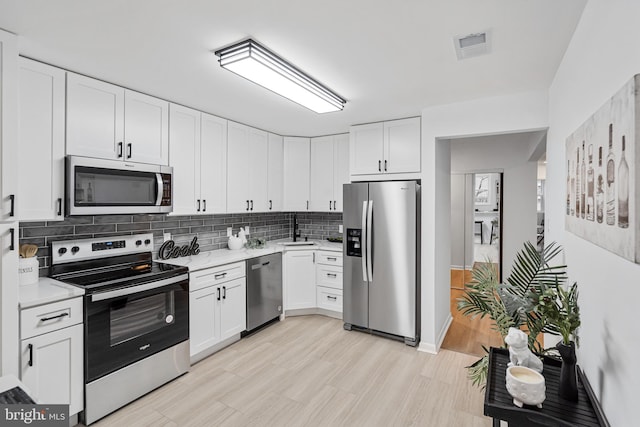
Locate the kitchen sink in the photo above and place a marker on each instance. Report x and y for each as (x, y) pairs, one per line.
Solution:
(298, 243)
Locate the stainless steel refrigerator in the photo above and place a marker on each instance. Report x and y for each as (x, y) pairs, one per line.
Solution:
(381, 224)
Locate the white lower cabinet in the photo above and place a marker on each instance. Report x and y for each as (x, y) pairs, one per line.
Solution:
(217, 307)
(329, 281)
(52, 362)
(299, 278)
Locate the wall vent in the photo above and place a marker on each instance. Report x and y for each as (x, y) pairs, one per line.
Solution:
(471, 45)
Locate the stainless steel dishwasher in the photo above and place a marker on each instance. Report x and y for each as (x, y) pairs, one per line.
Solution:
(264, 290)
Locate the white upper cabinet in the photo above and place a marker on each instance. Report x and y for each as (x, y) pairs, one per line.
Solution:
(328, 172)
(185, 159)
(321, 174)
(213, 164)
(258, 170)
(8, 127)
(146, 128)
(386, 147)
(110, 122)
(275, 170)
(247, 159)
(367, 148)
(296, 173)
(41, 100)
(198, 156)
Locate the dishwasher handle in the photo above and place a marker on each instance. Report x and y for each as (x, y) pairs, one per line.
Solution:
(260, 265)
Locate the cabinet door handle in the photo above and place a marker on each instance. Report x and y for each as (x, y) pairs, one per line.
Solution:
(314, 257)
(224, 292)
(332, 298)
(220, 276)
(12, 246)
(385, 165)
(307, 205)
(59, 206)
(218, 290)
(329, 204)
(129, 150)
(330, 258)
(59, 316)
(334, 205)
(204, 205)
(332, 275)
(270, 204)
(198, 210)
(247, 205)
(379, 166)
(251, 205)
(12, 199)
(30, 354)
(120, 146)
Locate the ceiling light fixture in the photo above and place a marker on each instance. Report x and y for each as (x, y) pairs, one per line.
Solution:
(263, 67)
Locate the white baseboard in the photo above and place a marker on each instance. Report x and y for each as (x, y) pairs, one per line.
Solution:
(435, 348)
(316, 310)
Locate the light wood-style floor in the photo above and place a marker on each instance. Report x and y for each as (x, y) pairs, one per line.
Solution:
(309, 371)
(468, 335)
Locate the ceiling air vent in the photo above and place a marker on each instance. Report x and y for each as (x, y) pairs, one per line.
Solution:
(472, 44)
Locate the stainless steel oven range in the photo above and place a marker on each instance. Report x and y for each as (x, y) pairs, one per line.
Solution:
(136, 317)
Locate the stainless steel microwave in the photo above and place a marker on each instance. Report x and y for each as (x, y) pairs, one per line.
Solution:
(98, 187)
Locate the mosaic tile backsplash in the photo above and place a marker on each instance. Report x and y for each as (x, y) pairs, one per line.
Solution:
(211, 230)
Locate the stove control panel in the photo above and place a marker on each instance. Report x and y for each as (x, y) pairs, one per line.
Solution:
(85, 249)
(112, 244)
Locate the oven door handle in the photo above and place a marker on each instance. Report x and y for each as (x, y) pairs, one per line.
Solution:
(138, 288)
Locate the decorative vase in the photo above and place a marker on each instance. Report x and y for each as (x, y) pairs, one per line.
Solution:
(568, 383)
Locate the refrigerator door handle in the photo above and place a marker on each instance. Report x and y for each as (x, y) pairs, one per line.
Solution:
(369, 239)
(363, 241)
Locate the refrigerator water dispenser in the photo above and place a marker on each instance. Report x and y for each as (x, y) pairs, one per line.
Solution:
(354, 247)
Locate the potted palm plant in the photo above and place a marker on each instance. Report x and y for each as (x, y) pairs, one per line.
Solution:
(518, 302)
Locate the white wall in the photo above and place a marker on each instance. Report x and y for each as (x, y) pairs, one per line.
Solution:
(509, 153)
(501, 114)
(602, 57)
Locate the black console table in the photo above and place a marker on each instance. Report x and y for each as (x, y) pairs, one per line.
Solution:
(555, 410)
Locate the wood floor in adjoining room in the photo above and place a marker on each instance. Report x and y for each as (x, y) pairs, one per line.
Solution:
(309, 371)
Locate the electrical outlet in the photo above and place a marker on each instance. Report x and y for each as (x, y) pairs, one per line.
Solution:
(246, 230)
(339, 228)
(229, 231)
(166, 236)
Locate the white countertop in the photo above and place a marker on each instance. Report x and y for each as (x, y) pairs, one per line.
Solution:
(208, 259)
(45, 291)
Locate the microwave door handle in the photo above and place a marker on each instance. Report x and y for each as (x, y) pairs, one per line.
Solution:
(363, 241)
(369, 240)
(138, 288)
(160, 187)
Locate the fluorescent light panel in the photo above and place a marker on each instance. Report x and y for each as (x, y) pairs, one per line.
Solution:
(256, 63)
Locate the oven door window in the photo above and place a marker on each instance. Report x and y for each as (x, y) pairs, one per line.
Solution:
(123, 330)
(140, 317)
(110, 187)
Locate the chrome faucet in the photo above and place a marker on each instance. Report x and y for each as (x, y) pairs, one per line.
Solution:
(296, 231)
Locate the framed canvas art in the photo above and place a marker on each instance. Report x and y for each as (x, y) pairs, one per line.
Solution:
(601, 162)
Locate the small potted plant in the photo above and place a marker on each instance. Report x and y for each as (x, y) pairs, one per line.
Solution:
(558, 309)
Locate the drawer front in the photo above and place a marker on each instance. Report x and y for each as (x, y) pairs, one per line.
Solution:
(50, 317)
(216, 275)
(329, 299)
(329, 258)
(329, 276)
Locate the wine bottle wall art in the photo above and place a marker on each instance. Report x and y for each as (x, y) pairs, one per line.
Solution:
(601, 159)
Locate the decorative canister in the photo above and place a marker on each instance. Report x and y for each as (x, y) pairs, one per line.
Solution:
(28, 270)
(526, 386)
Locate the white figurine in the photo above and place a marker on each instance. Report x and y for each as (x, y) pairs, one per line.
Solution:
(519, 353)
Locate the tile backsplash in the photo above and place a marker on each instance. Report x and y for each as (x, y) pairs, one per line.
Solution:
(211, 230)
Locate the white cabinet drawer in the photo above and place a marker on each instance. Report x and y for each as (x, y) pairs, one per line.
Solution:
(329, 276)
(216, 275)
(50, 317)
(329, 258)
(329, 299)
